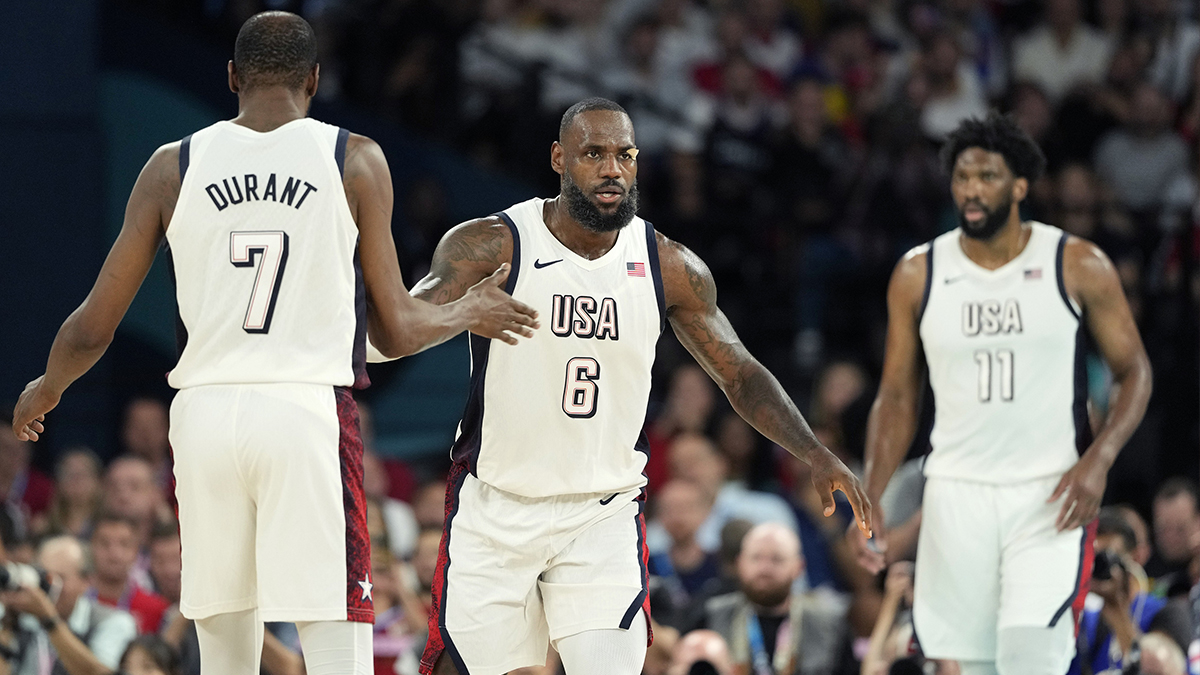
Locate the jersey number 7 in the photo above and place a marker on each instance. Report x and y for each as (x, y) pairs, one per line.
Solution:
(271, 247)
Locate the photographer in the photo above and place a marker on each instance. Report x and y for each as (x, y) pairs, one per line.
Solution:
(64, 628)
(1119, 610)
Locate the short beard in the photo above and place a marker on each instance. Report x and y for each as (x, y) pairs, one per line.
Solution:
(589, 215)
(992, 221)
(767, 597)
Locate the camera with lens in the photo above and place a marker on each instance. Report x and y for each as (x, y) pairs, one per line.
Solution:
(15, 575)
(1106, 561)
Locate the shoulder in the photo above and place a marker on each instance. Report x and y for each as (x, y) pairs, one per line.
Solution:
(363, 156)
(163, 165)
(686, 278)
(911, 273)
(483, 240)
(1088, 275)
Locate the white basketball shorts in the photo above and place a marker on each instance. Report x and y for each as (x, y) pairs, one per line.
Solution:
(515, 573)
(988, 558)
(271, 508)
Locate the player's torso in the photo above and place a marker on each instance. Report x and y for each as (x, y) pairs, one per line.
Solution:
(562, 413)
(264, 254)
(1004, 350)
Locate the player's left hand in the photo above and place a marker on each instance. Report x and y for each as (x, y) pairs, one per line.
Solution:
(829, 474)
(31, 409)
(1083, 486)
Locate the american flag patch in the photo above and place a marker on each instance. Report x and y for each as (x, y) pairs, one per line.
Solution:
(635, 269)
(1035, 273)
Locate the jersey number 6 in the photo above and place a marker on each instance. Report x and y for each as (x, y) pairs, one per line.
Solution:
(272, 249)
(581, 390)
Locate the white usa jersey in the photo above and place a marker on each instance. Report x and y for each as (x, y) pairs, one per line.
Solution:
(562, 412)
(264, 253)
(1005, 352)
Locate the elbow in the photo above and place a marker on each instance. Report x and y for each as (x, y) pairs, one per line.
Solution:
(84, 337)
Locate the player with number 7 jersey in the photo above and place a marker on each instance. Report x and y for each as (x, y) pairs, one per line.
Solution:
(279, 232)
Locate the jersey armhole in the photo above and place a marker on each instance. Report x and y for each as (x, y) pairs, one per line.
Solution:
(1058, 273)
(185, 149)
(515, 267)
(656, 273)
(339, 151)
(928, 284)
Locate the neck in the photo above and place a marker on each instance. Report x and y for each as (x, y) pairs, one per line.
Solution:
(1063, 34)
(1002, 247)
(686, 555)
(777, 610)
(579, 239)
(269, 108)
(109, 588)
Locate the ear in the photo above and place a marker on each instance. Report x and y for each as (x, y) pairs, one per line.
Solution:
(1020, 190)
(233, 78)
(310, 84)
(558, 158)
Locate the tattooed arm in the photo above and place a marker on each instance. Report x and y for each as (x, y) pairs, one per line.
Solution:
(691, 300)
(466, 255)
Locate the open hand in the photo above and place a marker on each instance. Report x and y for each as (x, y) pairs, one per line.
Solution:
(829, 474)
(31, 409)
(1083, 486)
(496, 314)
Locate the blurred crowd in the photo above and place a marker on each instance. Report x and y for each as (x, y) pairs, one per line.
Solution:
(736, 537)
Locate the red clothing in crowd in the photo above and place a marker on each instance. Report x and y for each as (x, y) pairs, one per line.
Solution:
(146, 607)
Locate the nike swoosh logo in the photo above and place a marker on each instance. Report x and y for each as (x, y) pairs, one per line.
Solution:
(538, 264)
(604, 502)
(950, 280)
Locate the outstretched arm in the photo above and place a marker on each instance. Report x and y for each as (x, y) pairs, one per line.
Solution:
(397, 323)
(1091, 279)
(691, 299)
(87, 332)
(466, 254)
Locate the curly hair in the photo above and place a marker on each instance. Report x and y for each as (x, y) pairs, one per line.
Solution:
(1000, 134)
(275, 48)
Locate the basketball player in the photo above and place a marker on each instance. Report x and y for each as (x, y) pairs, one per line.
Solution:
(279, 228)
(999, 311)
(543, 539)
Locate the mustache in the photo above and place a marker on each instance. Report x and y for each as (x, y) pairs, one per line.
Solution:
(611, 182)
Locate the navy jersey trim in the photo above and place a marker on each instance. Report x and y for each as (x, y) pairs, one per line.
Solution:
(181, 334)
(1075, 589)
(1079, 413)
(656, 272)
(358, 358)
(928, 283)
(466, 447)
(339, 151)
(1058, 273)
(454, 488)
(185, 152)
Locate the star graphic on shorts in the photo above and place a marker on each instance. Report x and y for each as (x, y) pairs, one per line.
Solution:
(367, 586)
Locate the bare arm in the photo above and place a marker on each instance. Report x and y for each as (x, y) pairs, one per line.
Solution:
(893, 418)
(87, 332)
(466, 255)
(397, 323)
(1090, 278)
(691, 300)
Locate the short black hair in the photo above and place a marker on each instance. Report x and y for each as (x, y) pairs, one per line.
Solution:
(1110, 521)
(1176, 486)
(275, 48)
(586, 105)
(1000, 134)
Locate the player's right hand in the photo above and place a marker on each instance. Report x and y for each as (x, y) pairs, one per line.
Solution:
(497, 315)
(31, 410)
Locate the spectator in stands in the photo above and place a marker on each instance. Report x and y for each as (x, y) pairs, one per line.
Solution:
(130, 491)
(955, 92)
(26, 491)
(1176, 529)
(769, 627)
(893, 639)
(1142, 551)
(1176, 44)
(150, 655)
(429, 504)
(701, 652)
(74, 632)
(1161, 655)
(695, 458)
(689, 405)
(77, 495)
(144, 434)
(1144, 161)
(770, 43)
(685, 567)
(982, 42)
(1118, 612)
(1062, 52)
(115, 552)
(398, 517)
